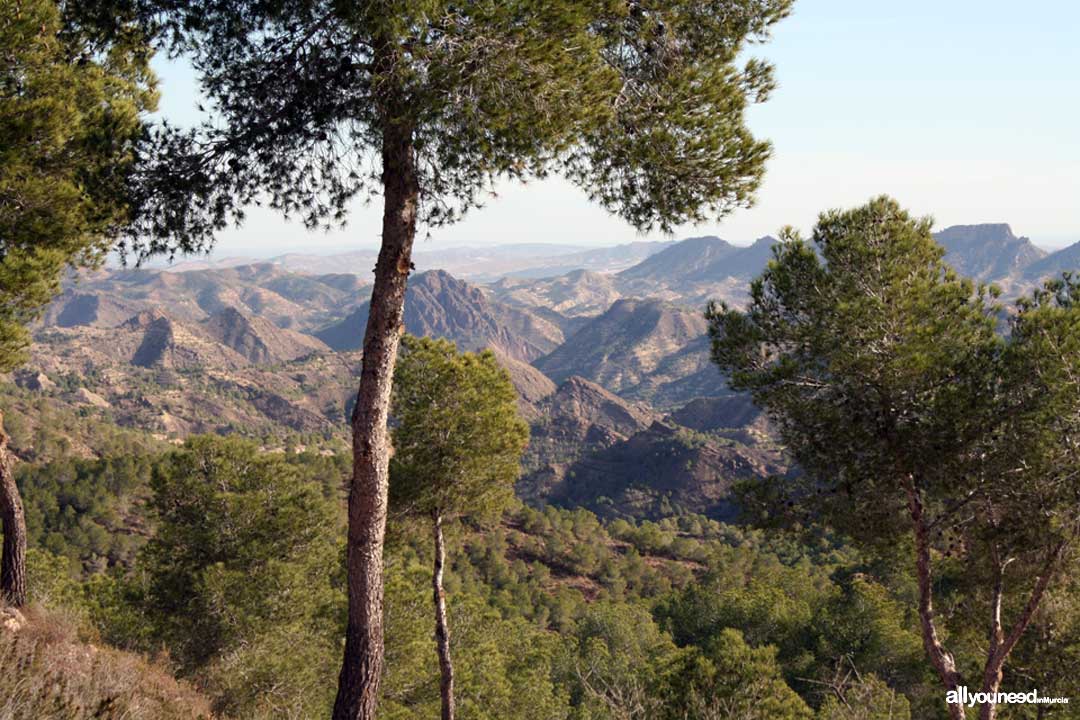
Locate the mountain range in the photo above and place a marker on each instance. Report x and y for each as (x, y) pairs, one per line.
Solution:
(610, 355)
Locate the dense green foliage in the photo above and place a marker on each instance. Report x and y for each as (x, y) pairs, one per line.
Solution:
(235, 581)
(91, 512)
(873, 355)
(556, 615)
(95, 512)
(919, 427)
(458, 438)
(71, 99)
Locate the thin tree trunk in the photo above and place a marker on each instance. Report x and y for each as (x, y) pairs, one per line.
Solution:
(942, 660)
(1000, 644)
(442, 626)
(13, 561)
(361, 670)
(996, 636)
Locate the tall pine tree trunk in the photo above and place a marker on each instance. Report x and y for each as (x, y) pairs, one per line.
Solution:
(442, 626)
(13, 561)
(361, 670)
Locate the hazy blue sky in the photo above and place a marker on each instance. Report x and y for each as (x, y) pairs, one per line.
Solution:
(966, 110)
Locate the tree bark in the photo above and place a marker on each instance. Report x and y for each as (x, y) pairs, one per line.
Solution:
(442, 626)
(361, 671)
(942, 660)
(995, 637)
(1000, 644)
(13, 561)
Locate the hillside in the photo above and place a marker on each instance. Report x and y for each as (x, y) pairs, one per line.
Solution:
(580, 417)
(691, 272)
(287, 300)
(575, 294)
(660, 471)
(735, 416)
(745, 262)
(439, 305)
(258, 340)
(172, 378)
(219, 355)
(646, 350)
(50, 675)
(683, 259)
(532, 386)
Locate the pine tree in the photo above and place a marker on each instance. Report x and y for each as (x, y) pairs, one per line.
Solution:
(429, 103)
(457, 452)
(916, 423)
(72, 93)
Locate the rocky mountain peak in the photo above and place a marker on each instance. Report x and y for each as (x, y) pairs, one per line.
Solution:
(589, 404)
(990, 251)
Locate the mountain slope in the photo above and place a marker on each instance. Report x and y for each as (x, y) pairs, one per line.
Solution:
(1064, 260)
(579, 418)
(532, 386)
(987, 252)
(585, 410)
(439, 305)
(681, 260)
(288, 300)
(660, 471)
(696, 270)
(638, 349)
(49, 674)
(744, 262)
(174, 378)
(151, 339)
(574, 294)
(599, 260)
(259, 340)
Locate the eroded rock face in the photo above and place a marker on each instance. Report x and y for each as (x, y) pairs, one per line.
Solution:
(143, 319)
(258, 340)
(157, 344)
(79, 310)
(91, 398)
(233, 329)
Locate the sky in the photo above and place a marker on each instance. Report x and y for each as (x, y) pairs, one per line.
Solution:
(963, 110)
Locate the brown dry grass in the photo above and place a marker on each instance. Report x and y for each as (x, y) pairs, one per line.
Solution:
(46, 673)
